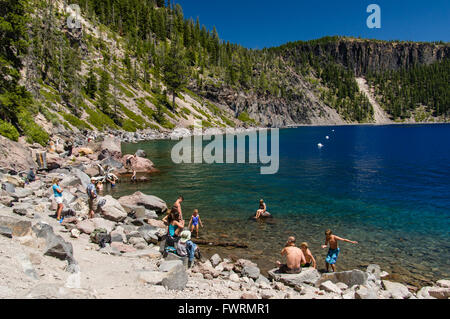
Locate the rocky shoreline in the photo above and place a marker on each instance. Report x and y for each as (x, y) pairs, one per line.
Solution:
(41, 258)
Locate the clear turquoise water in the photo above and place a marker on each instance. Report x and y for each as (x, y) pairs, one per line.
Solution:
(387, 187)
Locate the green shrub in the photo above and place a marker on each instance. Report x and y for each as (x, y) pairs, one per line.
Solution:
(33, 132)
(244, 117)
(75, 121)
(129, 125)
(9, 131)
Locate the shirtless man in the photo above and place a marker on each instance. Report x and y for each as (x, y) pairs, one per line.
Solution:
(294, 258)
(177, 206)
(334, 250)
(310, 260)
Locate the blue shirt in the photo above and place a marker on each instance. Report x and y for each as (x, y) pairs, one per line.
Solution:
(91, 191)
(55, 188)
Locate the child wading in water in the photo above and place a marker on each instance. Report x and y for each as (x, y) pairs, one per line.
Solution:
(195, 221)
(334, 250)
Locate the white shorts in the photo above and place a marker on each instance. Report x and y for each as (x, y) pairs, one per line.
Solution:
(59, 200)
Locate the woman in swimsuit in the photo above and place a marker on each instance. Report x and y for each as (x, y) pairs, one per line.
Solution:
(261, 210)
(195, 221)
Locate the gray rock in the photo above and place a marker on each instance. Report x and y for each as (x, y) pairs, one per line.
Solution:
(10, 188)
(112, 210)
(83, 178)
(215, 260)
(308, 276)
(171, 256)
(103, 223)
(251, 272)
(350, 278)
(396, 290)
(148, 201)
(86, 226)
(176, 278)
(151, 234)
(328, 286)
(168, 265)
(444, 283)
(5, 231)
(22, 209)
(375, 270)
(141, 153)
(363, 292)
(22, 192)
(18, 226)
(439, 292)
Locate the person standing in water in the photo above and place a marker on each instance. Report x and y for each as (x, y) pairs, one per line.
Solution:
(334, 250)
(177, 206)
(262, 209)
(195, 222)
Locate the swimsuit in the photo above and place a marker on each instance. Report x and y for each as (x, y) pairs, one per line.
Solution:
(286, 270)
(195, 220)
(172, 229)
(332, 256)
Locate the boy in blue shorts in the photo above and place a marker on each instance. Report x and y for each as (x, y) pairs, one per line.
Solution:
(334, 250)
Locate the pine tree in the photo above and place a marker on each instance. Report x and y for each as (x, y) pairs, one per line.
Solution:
(175, 71)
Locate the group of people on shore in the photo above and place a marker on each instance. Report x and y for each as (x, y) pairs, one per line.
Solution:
(296, 258)
(178, 240)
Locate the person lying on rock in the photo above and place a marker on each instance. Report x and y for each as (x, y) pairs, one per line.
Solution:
(195, 222)
(310, 260)
(294, 258)
(334, 250)
(57, 192)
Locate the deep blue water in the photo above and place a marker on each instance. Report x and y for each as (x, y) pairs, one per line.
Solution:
(387, 187)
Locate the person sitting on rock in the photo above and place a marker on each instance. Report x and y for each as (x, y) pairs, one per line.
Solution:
(294, 258)
(262, 209)
(195, 222)
(310, 260)
(31, 177)
(186, 248)
(57, 192)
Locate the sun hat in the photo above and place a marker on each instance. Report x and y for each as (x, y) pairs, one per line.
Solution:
(185, 236)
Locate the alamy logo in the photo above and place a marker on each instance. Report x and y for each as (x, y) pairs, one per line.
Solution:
(374, 20)
(223, 149)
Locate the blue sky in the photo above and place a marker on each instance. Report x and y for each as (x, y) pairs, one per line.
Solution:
(264, 23)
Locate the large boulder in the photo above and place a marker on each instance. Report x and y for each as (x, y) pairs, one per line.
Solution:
(396, 290)
(83, 178)
(140, 164)
(112, 210)
(148, 201)
(307, 276)
(19, 227)
(112, 144)
(176, 277)
(439, 292)
(15, 156)
(103, 223)
(86, 226)
(56, 246)
(350, 278)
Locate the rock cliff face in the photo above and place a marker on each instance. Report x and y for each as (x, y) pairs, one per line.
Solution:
(363, 56)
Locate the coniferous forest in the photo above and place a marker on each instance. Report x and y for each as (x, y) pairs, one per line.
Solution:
(130, 61)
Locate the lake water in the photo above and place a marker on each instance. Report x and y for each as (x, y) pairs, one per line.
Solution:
(387, 187)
